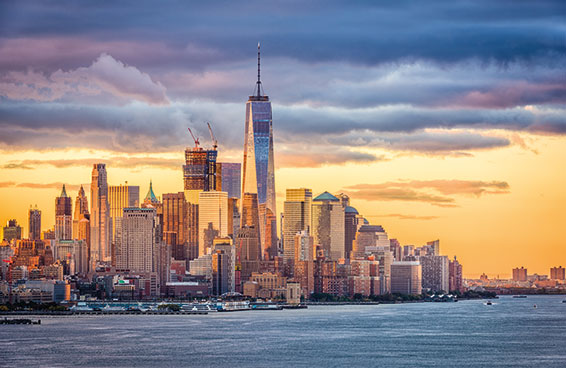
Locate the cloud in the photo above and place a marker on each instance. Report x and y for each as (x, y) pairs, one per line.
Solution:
(435, 192)
(105, 80)
(57, 185)
(115, 161)
(316, 156)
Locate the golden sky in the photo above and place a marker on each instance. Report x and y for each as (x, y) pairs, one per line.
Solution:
(494, 209)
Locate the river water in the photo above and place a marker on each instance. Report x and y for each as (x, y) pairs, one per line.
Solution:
(509, 333)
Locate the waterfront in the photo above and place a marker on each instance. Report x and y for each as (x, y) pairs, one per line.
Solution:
(469, 333)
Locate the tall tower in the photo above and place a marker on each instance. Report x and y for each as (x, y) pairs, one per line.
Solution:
(100, 226)
(34, 224)
(259, 171)
(63, 216)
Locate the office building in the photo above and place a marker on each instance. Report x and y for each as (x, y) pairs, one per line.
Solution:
(81, 213)
(406, 277)
(297, 218)
(12, 230)
(327, 229)
(175, 219)
(135, 244)
(258, 162)
(351, 226)
(100, 223)
(73, 254)
(63, 216)
(120, 197)
(231, 178)
(34, 221)
(213, 216)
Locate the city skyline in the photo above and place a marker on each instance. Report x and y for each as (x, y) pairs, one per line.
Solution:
(455, 145)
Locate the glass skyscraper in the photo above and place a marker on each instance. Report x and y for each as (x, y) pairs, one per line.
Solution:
(259, 172)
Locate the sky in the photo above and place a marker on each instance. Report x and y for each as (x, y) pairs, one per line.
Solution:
(442, 120)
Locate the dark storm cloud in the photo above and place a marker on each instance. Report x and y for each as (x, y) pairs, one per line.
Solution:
(132, 76)
(357, 32)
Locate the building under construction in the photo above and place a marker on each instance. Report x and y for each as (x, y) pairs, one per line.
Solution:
(199, 171)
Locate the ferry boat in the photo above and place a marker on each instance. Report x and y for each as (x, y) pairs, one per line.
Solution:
(233, 306)
(81, 307)
(266, 306)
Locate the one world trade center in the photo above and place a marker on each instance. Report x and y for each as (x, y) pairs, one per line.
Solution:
(258, 187)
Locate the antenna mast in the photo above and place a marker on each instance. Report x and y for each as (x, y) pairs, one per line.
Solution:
(258, 71)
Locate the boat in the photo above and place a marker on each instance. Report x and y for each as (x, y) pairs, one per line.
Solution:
(519, 296)
(265, 306)
(233, 306)
(295, 306)
(564, 301)
(489, 302)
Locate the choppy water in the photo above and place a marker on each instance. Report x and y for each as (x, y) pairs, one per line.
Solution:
(510, 333)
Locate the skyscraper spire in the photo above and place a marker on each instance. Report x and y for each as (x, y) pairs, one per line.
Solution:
(63, 192)
(258, 71)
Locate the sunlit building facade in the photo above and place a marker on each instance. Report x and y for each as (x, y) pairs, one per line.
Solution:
(259, 167)
(100, 222)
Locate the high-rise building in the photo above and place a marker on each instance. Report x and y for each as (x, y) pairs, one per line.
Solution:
(435, 273)
(135, 247)
(406, 277)
(100, 222)
(81, 212)
(223, 266)
(520, 274)
(434, 247)
(199, 172)
(557, 273)
(327, 227)
(120, 197)
(63, 216)
(34, 221)
(297, 215)
(351, 217)
(248, 252)
(259, 167)
(12, 230)
(213, 212)
(73, 254)
(175, 227)
(456, 276)
(304, 261)
(231, 178)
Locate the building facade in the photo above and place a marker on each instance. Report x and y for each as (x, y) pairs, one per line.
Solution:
(327, 225)
(63, 216)
(406, 277)
(100, 223)
(34, 221)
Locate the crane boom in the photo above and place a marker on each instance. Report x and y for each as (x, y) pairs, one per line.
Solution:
(194, 139)
(214, 141)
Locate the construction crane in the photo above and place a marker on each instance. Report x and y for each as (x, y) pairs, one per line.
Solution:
(214, 141)
(194, 139)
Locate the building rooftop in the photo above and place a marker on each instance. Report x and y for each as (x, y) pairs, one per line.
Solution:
(150, 197)
(350, 209)
(326, 197)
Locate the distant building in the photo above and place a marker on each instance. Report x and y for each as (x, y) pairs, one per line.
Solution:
(199, 172)
(406, 277)
(34, 221)
(434, 247)
(258, 170)
(520, 274)
(351, 217)
(328, 225)
(135, 247)
(435, 273)
(12, 230)
(456, 276)
(175, 224)
(213, 215)
(120, 197)
(74, 254)
(297, 218)
(81, 218)
(100, 222)
(231, 178)
(557, 273)
(225, 261)
(63, 216)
